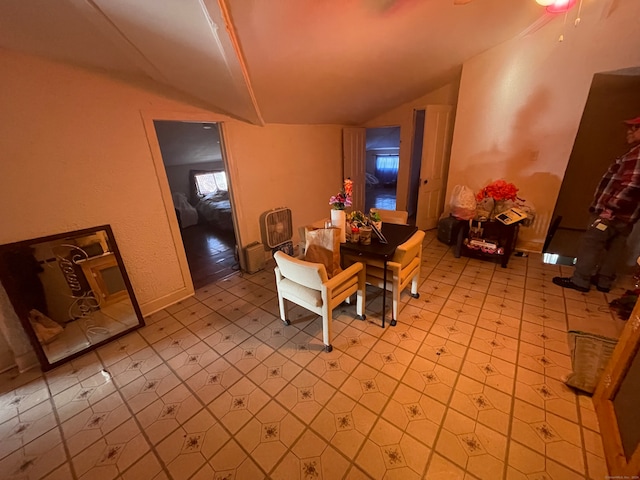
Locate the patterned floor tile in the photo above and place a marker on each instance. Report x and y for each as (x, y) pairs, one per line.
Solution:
(468, 385)
(269, 435)
(344, 424)
(417, 414)
(189, 447)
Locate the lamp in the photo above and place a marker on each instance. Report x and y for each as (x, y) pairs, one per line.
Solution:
(557, 6)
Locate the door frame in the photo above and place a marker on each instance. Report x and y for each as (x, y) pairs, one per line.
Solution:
(399, 127)
(148, 117)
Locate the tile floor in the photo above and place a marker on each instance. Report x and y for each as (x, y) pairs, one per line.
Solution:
(467, 385)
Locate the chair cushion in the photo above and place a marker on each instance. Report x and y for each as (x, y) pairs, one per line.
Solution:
(312, 275)
(299, 294)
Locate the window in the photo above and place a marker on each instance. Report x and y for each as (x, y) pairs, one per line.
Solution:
(387, 168)
(211, 182)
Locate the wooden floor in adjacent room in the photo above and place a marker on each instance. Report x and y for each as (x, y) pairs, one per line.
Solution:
(210, 253)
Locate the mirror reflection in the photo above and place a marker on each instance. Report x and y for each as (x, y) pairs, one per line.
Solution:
(70, 291)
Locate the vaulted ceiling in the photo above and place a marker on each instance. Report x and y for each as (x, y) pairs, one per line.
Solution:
(272, 61)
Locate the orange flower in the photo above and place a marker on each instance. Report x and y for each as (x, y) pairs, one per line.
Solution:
(498, 190)
(342, 199)
(348, 186)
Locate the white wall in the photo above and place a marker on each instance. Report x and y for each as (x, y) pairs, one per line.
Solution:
(76, 152)
(520, 103)
(294, 166)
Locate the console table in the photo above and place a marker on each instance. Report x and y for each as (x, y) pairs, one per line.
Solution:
(496, 232)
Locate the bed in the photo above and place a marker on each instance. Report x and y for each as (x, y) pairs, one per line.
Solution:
(215, 209)
(187, 215)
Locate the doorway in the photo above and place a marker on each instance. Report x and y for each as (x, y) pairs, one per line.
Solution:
(381, 167)
(197, 176)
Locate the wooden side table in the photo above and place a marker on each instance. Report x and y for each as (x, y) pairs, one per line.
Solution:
(503, 236)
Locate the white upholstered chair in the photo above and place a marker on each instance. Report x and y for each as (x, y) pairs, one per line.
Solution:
(402, 269)
(307, 284)
(393, 216)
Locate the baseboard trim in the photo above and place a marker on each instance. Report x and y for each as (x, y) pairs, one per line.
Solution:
(158, 304)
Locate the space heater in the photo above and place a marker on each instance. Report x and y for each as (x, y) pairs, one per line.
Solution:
(254, 257)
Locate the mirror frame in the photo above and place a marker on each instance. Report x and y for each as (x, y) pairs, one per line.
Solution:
(5, 279)
(623, 355)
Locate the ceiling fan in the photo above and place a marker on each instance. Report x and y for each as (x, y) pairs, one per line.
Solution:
(552, 6)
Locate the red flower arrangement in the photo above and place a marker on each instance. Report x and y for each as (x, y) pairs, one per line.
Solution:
(498, 190)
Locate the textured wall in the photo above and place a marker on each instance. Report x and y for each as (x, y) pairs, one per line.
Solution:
(76, 153)
(520, 104)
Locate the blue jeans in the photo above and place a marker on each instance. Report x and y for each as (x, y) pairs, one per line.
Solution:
(600, 251)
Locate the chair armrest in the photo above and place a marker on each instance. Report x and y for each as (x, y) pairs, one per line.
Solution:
(394, 266)
(343, 276)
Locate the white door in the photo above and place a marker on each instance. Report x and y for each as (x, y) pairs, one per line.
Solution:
(434, 165)
(353, 161)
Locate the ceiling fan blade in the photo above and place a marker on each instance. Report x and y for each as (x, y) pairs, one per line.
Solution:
(609, 8)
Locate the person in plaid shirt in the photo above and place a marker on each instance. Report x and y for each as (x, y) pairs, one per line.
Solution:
(615, 210)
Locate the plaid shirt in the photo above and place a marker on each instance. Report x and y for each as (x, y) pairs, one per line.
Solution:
(619, 189)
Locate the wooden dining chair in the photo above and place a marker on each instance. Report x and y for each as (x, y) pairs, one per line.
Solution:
(403, 269)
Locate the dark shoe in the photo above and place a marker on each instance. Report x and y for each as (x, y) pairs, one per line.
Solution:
(594, 281)
(565, 282)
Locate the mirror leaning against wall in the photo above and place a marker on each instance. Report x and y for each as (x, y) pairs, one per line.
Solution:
(70, 291)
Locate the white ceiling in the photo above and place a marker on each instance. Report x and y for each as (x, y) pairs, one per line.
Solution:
(271, 61)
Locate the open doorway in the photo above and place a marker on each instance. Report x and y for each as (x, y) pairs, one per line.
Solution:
(196, 172)
(381, 167)
(613, 97)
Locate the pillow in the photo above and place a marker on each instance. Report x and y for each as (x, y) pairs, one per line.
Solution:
(323, 246)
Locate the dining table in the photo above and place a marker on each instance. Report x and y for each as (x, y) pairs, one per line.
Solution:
(394, 235)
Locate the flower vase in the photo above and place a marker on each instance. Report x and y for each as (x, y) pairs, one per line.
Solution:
(365, 235)
(339, 220)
